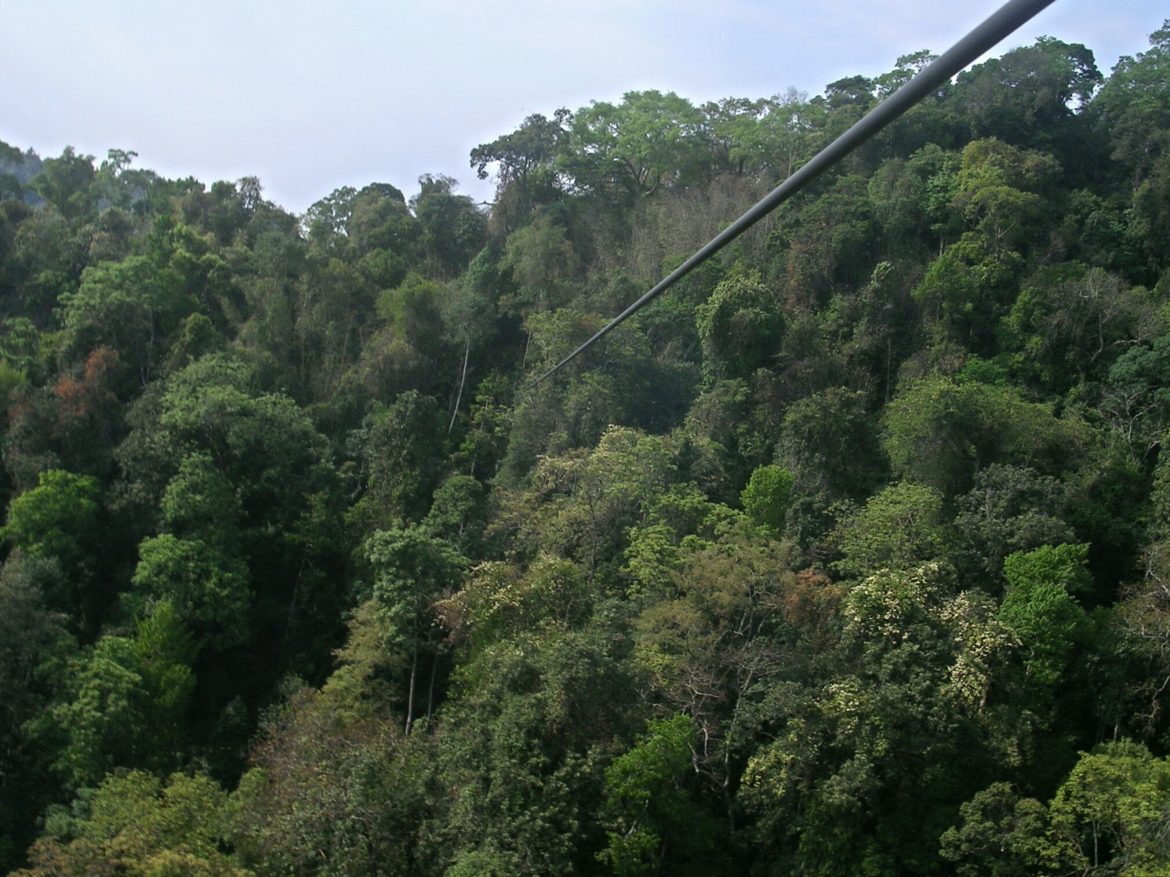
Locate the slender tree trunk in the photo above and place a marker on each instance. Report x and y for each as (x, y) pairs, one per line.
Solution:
(410, 693)
(292, 604)
(462, 381)
(431, 685)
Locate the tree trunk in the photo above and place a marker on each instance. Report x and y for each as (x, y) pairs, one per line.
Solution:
(431, 685)
(410, 693)
(462, 381)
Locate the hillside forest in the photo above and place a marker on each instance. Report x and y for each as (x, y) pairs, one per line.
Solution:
(848, 556)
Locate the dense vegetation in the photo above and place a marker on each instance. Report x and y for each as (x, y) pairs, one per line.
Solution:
(849, 556)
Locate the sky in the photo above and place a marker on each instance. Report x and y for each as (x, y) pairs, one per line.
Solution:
(311, 95)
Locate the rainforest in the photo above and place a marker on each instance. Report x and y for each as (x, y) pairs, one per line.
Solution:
(848, 556)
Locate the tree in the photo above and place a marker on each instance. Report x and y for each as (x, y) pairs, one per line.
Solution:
(526, 736)
(1000, 835)
(331, 792)
(410, 571)
(542, 263)
(634, 147)
(500, 601)
(579, 504)
(402, 451)
(126, 702)
(459, 513)
(453, 228)
(911, 693)
(1072, 324)
(525, 167)
(826, 243)
(142, 828)
(941, 432)
(1040, 608)
(830, 445)
(264, 449)
(130, 306)
(208, 588)
(740, 327)
(899, 527)
(654, 826)
(34, 648)
(1028, 96)
(1110, 814)
(1010, 509)
(731, 131)
(55, 518)
(66, 183)
(730, 625)
(767, 497)
(1137, 397)
(197, 564)
(998, 193)
(58, 521)
(1133, 106)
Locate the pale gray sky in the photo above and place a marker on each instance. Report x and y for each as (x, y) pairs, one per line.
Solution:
(310, 95)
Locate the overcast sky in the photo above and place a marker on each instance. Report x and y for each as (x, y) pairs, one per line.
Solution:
(310, 95)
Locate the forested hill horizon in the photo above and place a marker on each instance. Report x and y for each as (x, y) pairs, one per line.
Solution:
(850, 555)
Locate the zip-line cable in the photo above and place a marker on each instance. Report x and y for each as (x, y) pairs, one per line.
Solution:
(1008, 18)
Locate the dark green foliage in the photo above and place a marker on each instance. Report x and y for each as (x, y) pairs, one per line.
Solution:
(656, 827)
(1010, 509)
(401, 448)
(740, 327)
(837, 560)
(940, 432)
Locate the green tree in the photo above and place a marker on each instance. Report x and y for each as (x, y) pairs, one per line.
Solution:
(265, 451)
(141, 827)
(126, 702)
(633, 148)
(899, 527)
(401, 448)
(1137, 397)
(453, 228)
(34, 648)
(740, 327)
(67, 182)
(767, 497)
(940, 432)
(654, 826)
(1009, 509)
(525, 167)
(58, 521)
(332, 793)
(459, 513)
(1039, 606)
(1071, 324)
(912, 693)
(1029, 95)
(581, 503)
(1001, 835)
(208, 587)
(1134, 106)
(526, 737)
(55, 518)
(130, 306)
(501, 600)
(409, 571)
(543, 263)
(1110, 814)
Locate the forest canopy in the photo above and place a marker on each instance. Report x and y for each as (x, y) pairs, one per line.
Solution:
(850, 555)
